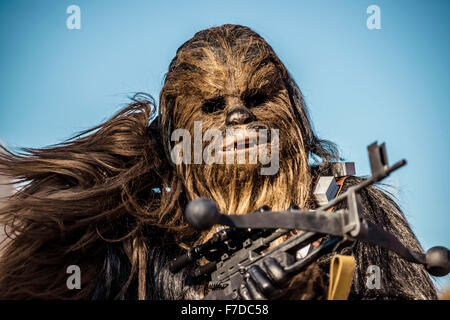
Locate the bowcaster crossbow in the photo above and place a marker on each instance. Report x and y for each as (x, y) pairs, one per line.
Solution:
(246, 242)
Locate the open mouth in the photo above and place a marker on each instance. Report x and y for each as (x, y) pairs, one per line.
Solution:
(244, 140)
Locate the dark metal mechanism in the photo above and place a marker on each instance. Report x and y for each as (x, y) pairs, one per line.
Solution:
(246, 241)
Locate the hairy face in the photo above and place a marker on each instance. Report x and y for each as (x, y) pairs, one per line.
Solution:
(229, 78)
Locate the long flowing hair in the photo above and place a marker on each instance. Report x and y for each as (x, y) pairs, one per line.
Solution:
(101, 186)
(105, 185)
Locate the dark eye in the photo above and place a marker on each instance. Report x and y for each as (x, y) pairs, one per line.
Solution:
(213, 105)
(255, 100)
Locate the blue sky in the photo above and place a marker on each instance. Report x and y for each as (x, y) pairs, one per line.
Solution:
(361, 85)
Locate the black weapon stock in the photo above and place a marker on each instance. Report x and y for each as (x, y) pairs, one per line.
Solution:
(246, 241)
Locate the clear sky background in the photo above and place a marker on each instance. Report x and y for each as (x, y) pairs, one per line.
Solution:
(361, 85)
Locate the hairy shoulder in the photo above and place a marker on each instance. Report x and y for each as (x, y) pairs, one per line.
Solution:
(399, 279)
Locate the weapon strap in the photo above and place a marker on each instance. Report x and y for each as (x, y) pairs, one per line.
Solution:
(341, 276)
(341, 267)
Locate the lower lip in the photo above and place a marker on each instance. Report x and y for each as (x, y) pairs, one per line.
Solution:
(243, 150)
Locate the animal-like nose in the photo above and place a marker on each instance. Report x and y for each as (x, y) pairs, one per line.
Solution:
(239, 115)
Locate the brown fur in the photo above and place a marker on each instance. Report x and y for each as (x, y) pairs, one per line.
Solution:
(307, 285)
(236, 65)
(99, 187)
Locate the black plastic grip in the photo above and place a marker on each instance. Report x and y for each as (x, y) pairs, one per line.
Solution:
(182, 261)
(205, 270)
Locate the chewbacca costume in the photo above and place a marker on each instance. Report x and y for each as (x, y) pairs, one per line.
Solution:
(111, 201)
